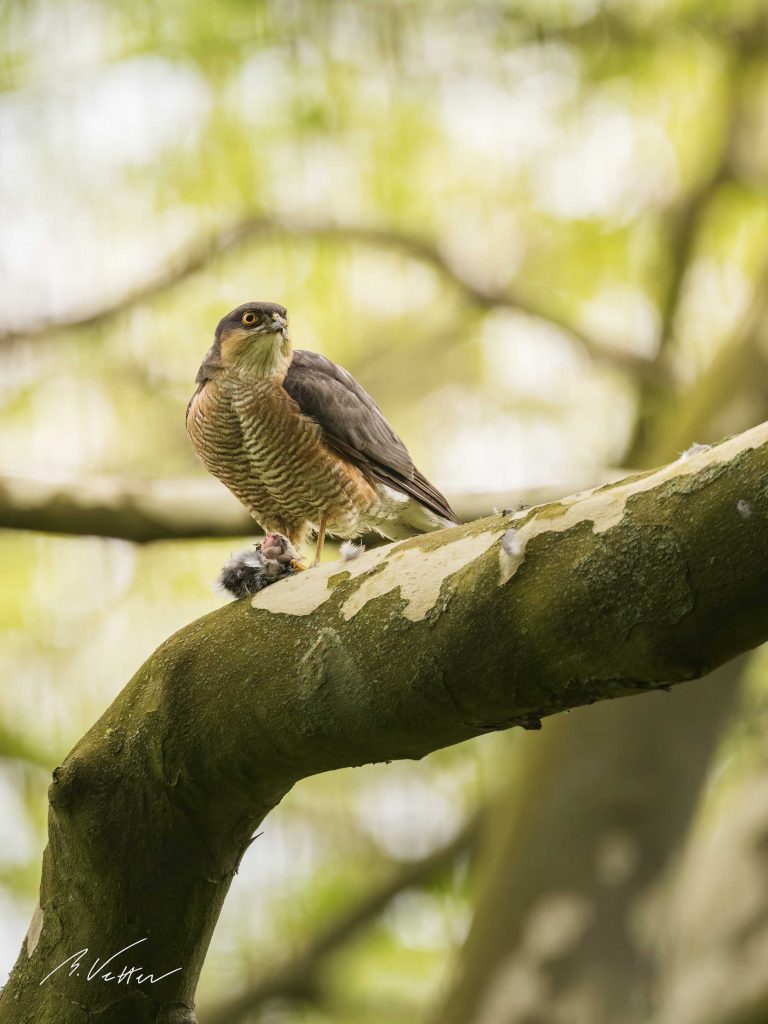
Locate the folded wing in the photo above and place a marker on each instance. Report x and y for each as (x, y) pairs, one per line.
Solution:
(355, 428)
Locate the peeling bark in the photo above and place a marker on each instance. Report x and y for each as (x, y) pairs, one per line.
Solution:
(653, 580)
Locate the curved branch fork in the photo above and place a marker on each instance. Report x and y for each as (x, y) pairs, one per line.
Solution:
(410, 647)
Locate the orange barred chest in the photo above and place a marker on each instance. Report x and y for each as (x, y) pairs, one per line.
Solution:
(252, 436)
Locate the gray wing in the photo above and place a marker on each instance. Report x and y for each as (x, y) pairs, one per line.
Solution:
(354, 426)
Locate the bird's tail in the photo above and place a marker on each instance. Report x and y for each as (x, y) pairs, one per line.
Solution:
(413, 519)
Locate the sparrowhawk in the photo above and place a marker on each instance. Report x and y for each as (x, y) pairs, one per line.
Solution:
(302, 445)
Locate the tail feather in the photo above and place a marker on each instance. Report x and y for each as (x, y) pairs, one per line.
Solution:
(413, 519)
(422, 492)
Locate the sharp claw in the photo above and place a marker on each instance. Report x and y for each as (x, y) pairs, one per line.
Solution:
(298, 566)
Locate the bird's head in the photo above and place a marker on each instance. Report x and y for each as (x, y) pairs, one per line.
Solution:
(254, 338)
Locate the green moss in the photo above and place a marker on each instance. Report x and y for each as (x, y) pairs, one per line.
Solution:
(337, 578)
(646, 566)
(691, 483)
(630, 479)
(553, 510)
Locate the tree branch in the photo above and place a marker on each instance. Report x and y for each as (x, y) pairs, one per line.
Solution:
(734, 370)
(264, 227)
(409, 648)
(658, 387)
(188, 509)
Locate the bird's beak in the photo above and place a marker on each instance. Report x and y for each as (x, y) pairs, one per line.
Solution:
(279, 323)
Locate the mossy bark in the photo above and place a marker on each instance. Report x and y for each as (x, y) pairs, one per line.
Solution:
(409, 648)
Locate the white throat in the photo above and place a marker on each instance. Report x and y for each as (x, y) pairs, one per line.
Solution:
(265, 356)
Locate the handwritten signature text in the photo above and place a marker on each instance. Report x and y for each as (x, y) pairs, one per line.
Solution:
(98, 969)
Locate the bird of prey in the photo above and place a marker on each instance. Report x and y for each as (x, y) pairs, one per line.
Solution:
(302, 445)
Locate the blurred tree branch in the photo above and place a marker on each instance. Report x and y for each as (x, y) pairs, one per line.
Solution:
(16, 746)
(737, 365)
(409, 648)
(714, 963)
(745, 30)
(299, 978)
(657, 392)
(585, 831)
(184, 509)
(265, 227)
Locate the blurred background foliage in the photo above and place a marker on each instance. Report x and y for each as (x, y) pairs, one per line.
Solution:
(536, 231)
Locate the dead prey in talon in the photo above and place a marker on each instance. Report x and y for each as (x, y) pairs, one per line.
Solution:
(301, 444)
(273, 559)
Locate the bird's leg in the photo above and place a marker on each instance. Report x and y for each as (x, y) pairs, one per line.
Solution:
(320, 539)
(296, 562)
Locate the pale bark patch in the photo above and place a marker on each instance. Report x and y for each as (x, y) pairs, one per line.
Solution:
(34, 931)
(605, 508)
(304, 593)
(418, 574)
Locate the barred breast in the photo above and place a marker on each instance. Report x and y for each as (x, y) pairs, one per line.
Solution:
(251, 435)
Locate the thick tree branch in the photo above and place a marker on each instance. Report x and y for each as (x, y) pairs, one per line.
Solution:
(188, 509)
(126, 509)
(409, 648)
(266, 228)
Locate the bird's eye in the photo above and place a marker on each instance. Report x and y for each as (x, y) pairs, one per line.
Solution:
(249, 317)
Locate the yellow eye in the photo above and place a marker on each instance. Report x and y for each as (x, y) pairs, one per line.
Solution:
(249, 318)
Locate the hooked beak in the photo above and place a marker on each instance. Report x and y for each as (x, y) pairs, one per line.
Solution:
(279, 323)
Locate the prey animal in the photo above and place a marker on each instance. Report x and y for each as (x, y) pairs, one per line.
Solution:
(302, 445)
